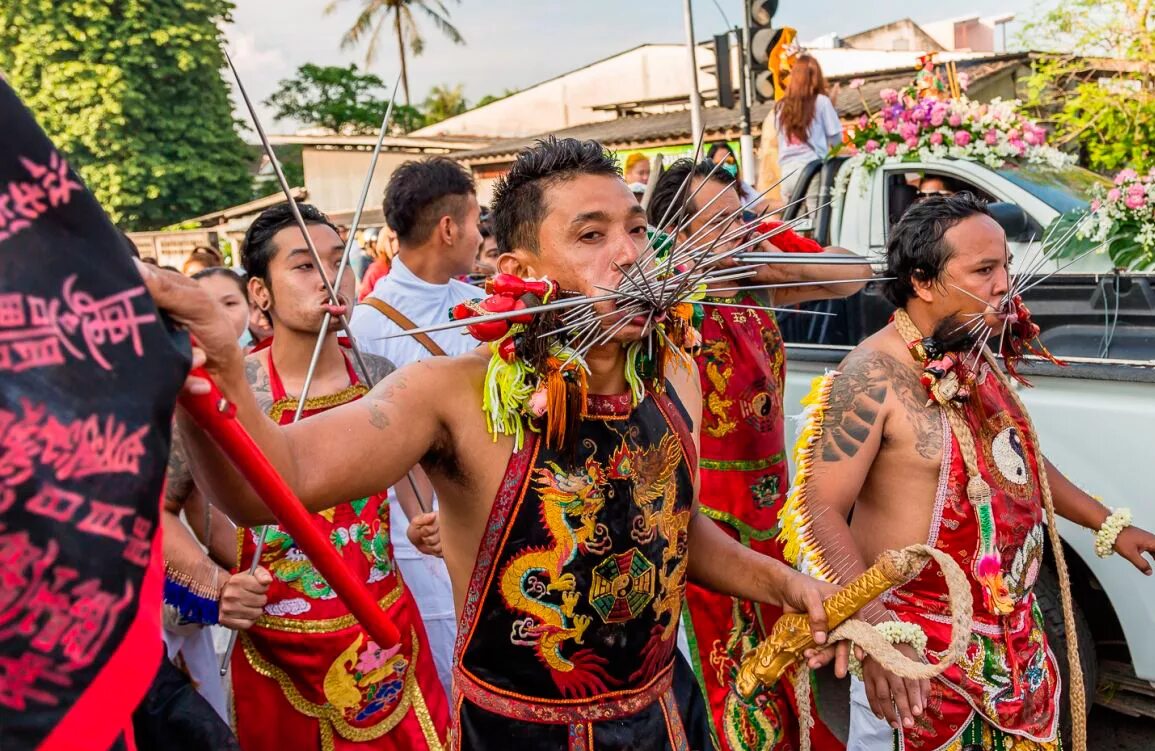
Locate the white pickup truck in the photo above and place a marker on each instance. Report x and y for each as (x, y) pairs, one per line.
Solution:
(1096, 418)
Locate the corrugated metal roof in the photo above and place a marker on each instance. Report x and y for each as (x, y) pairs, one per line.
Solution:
(637, 131)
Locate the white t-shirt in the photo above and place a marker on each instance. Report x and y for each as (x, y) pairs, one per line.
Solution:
(424, 304)
(825, 130)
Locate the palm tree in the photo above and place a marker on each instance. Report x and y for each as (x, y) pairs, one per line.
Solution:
(372, 18)
(444, 102)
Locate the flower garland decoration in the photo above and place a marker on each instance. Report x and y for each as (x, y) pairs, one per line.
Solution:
(896, 632)
(541, 383)
(925, 123)
(1121, 218)
(1109, 532)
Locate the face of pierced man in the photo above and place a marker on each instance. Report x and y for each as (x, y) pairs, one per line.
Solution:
(974, 281)
(294, 294)
(593, 232)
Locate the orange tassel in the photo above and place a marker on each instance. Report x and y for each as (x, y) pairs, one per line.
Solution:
(555, 401)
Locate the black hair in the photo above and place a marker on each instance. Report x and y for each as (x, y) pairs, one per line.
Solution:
(917, 249)
(669, 188)
(519, 197)
(257, 247)
(948, 182)
(420, 192)
(225, 272)
(719, 146)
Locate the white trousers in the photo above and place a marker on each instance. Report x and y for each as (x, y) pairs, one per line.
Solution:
(867, 732)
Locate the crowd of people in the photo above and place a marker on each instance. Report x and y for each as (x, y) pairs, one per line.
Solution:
(580, 557)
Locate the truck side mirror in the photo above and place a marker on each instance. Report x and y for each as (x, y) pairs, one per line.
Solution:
(1016, 222)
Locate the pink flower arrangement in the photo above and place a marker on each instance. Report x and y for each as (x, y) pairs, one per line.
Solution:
(911, 128)
(1124, 221)
(1125, 176)
(857, 83)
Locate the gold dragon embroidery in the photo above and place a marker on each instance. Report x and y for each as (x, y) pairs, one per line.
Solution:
(655, 491)
(719, 368)
(564, 496)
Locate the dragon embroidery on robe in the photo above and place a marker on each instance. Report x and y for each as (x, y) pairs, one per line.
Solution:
(535, 573)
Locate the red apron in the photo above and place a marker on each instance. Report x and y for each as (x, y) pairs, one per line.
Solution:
(744, 480)
(307, 676)
(1008, 676)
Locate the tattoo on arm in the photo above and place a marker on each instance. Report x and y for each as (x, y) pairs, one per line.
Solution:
(258, 377)
(178, 479)
(856, 401)
(380, 397)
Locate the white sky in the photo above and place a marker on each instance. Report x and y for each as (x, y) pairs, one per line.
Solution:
(516, 43)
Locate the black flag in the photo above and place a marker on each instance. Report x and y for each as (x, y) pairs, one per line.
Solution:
(89, 376)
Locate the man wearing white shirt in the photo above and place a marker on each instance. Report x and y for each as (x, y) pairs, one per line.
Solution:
(432, 206)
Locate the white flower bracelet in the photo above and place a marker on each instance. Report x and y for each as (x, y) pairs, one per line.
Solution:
(1105, 538)
(896, 632)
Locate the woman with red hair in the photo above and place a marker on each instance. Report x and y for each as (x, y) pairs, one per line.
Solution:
(808, 124)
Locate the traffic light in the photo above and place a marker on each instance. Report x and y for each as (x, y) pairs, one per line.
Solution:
(722, 71)
(770, 50)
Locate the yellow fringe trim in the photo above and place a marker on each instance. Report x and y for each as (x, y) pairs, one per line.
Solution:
(801, 549)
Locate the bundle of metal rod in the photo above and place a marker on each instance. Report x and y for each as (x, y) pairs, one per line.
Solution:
(801, 259)
(674, 267)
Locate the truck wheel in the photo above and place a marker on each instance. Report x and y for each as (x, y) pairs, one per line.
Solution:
(1051, 605)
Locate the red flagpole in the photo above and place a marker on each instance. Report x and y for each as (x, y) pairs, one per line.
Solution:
(217, 417)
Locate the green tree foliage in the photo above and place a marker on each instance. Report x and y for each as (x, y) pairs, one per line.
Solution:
(132, 92)
(1098, 93)
(406, 118)
(329, 96)
(399, 14)
(444, 102)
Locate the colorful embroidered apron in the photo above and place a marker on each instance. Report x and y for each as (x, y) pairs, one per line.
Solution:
(307, 676)
(568, 633)
(744, 479)
(1008, 675)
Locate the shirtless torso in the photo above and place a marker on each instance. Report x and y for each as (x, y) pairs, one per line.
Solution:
(879, 386)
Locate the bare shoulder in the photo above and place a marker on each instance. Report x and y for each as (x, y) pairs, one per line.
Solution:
(435, 385)
(877, 379)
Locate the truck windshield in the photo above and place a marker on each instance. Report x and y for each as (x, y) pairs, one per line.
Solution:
(1063, 189)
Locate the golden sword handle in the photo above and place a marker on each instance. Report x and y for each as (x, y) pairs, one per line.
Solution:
(791, 636)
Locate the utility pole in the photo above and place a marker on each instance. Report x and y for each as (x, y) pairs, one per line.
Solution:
(746, 139)
(695, 95)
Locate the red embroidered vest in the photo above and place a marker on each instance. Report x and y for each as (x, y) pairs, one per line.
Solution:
(1008, 675)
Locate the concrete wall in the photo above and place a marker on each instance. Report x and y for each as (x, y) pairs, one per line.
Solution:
(649, 72)
(334, 177)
